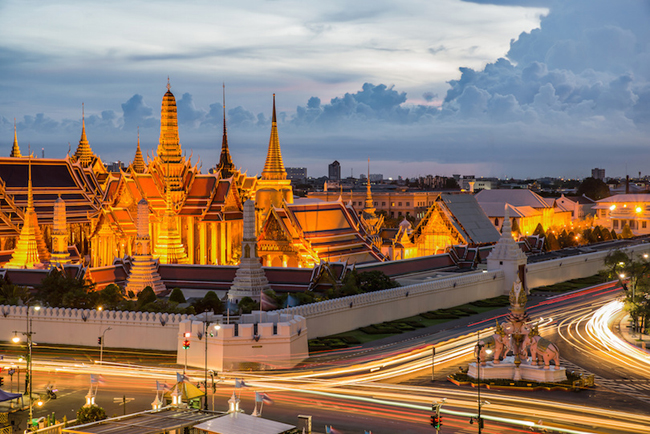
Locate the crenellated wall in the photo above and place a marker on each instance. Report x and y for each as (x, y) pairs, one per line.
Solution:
(573, 267)
(349, 313)
(140, 330)
(260, 340)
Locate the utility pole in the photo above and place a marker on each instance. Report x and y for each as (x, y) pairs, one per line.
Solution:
(433, 360)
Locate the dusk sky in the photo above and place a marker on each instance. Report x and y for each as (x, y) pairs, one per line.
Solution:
(489, 88)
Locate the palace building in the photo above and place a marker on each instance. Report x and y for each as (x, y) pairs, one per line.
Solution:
(161, 212)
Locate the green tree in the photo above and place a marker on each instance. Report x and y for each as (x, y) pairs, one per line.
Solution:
(177, 296)
(606, 234)
(614, 235)
(11, 294)
(593, 188)
(375, 281)
(247, 305)
(515, 226)
(57, 284)
(597, 234)
(146, 296)
(211, 302)
(110, 297)
(451, 184)
(539, 230)
(626, 232)
(551, 243)
(90, 414)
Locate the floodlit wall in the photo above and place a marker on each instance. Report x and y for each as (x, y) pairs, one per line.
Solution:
(349, 313)
(260, 340)
(573, 267)
(82, 327)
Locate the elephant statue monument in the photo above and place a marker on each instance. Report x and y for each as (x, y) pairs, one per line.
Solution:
(498, 344)
(541, 348)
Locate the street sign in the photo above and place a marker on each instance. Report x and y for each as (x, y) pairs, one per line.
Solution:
(122, 401)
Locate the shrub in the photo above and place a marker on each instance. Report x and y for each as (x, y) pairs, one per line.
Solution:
(90, 414)
(177, 296)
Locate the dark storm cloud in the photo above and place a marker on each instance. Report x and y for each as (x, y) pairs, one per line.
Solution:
(137, 114)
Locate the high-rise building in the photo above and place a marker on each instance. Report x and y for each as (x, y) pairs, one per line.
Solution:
(298, 174)
(598, 174)
(334, 171)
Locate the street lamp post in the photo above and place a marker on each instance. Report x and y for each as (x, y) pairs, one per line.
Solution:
(28, 379)
(101, 344)
(206, 325)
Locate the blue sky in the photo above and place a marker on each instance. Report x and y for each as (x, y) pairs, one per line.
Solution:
(477, 87)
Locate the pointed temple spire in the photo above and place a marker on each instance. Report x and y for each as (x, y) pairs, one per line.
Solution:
(169, 148)
(370, 207)
(144, 271)
(60, 252)
(138, 165)
(225, 164)
(169, 246)
(27, 253)
(250, 279)
(274, 168)
(84, 154)
(15, 150)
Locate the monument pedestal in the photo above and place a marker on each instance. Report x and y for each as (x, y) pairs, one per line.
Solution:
(506, 370)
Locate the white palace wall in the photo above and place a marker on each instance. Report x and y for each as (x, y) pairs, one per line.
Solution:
(573, 267)
(280, 342)
(138, 330)
(349, 313)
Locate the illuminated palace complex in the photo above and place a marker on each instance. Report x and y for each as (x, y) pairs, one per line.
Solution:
(76, 211)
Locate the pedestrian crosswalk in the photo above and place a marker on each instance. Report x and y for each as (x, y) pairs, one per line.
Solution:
(630, 387)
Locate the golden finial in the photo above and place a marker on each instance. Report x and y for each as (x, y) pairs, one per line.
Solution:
(274, 120)
(534, 331)
(169, 86)
(499, 329)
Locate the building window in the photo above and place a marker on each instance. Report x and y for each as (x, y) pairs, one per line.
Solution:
(383, 204)
(392, 214)
(615, 224)
(392, 204)
(603, 213)
(644, 224)
(375, 203)
(632, 224)
(408, 203)
(399, 203)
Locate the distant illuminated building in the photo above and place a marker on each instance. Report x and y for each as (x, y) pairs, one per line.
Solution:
(298, 174)
(334, 171)
(598, 173)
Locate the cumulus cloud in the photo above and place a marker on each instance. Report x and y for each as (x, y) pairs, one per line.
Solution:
(187, 111)
(137, 114)
(371, 103)
(581, 64)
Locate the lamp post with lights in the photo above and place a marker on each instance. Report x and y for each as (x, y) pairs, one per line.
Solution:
(28, 381)
(206, 325)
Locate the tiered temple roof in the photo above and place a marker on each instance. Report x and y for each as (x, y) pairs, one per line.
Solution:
(15, 149)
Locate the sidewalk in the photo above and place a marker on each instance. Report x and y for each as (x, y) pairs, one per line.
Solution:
(640, 340)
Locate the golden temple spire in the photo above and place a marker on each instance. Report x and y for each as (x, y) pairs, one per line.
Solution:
(169, 246)
(138, 162)
(369, 208)
(27, 253)
(169, 148)
(225, 164)
(83, 154)
(15, 150)
(274, 168)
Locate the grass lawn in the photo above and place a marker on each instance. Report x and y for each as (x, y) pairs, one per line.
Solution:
(379, 331)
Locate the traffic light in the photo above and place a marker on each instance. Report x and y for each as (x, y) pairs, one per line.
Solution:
(99, 340)
(434, 421)
(186, 344)
(2, 381)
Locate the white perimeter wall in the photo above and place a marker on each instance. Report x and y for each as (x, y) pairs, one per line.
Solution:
(141, 330)
(283, 349)
(349, 313)
(573, 267)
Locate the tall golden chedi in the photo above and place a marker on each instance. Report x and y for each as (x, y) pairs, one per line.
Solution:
(169, 247)
(372, 223)
(84, 154)
(169, 153)
(274, 187)
(144, 271)
(15, 149)
(60, 254)
(30, 251)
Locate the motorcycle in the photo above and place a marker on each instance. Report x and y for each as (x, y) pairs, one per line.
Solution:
(51, 392)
